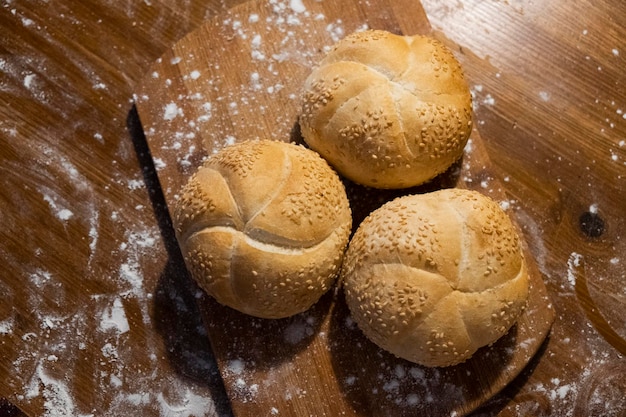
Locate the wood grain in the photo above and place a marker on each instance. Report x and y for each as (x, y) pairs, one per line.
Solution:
(552, 103)
(549, 93)
(235, 79)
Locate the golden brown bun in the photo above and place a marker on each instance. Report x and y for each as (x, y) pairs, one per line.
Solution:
(387, 111)
(263, 227)
(431, 278)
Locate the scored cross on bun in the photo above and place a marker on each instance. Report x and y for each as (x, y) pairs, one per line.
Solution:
(387, 111)
(432, 278)
(263, 227)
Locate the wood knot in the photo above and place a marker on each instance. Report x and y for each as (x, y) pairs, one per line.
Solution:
(591, 224)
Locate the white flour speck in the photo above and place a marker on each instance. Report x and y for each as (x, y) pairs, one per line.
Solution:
(194, 75)
(65, 214)
(230, 140)
(544, 95)
(61, 213)
(236, 366)
(131, 273)
(573, 262)
(6, 326)
(93, 231)
(28, 80)
(297, 6)
(114, 317)
(190, 405)
(134, 184)
(335, 30)
(159, 164)
(56, 394)
(98, 136)
(171, 110)
(206, 116)
(255, 81)
(489, 100)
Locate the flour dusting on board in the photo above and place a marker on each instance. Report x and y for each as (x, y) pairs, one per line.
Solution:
(243, 387)
(192, 114)
(57, 398)
(214, 112)
(115, 318)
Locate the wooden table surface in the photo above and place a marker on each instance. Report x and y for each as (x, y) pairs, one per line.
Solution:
(92, 321)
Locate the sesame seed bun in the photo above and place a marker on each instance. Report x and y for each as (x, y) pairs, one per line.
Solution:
(432, 278)
(387, 111)
(263, 227)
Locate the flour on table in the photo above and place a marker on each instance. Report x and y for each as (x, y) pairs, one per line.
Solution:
(171, 111)
(6, 326)
(240, 380)
(336, 30)
(28, 80)
(299, 330)
(61, 213)
(297, 6)
(190, 405)
(115, 318)
(573, 263)
(57, 398)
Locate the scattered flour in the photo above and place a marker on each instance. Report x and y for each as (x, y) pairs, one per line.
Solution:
(240, 387)
(573, 263)
(298, 331)
(57, 398)
(171, 111)
(236, 366)
(62, 213)
(114, 317)
(6, 326)
(297, 6)
(190, 405)
(139, 243)
(489, 100)
(28, 80)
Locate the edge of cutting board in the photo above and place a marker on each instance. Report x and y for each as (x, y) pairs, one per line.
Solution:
(201, 96)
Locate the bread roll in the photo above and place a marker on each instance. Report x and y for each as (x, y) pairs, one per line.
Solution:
(431, 278)
(387, 111)
(263, 226)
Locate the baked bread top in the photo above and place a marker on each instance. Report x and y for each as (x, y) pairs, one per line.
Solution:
(433, 277)
(387, 111)
(263, 226)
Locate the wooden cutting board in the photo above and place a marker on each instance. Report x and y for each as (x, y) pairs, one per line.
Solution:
(238, 77)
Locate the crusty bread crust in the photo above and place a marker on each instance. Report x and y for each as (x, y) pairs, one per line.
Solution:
(434, 277)
(263, 226)
(387, 111)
